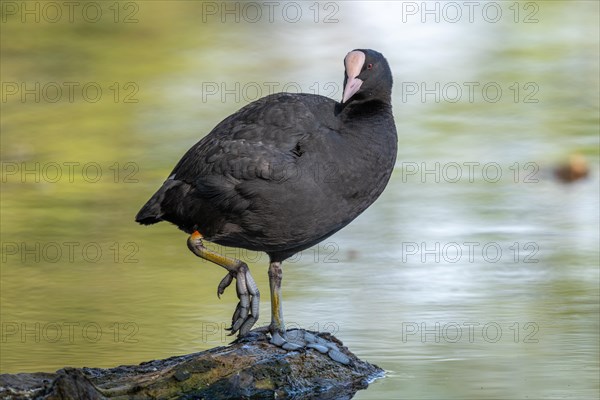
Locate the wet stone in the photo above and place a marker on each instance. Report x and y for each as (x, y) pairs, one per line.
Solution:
(251, 368)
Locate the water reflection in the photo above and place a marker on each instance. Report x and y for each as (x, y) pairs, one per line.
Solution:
(392, 286)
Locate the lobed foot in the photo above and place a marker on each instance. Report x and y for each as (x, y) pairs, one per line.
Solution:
(247, 309)
(297, 339)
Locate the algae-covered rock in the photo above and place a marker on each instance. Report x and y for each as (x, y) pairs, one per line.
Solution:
(251, 368)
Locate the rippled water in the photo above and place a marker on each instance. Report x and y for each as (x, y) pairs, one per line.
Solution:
(475, 275)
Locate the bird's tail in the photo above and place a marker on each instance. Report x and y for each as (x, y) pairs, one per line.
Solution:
(152, 212)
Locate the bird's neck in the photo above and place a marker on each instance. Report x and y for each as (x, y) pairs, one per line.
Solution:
(364, 109)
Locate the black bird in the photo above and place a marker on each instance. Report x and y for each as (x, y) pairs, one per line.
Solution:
(280, 175)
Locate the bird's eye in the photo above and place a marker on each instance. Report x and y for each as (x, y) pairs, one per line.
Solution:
(370, 66)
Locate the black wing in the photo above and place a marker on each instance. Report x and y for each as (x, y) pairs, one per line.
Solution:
(209, 185)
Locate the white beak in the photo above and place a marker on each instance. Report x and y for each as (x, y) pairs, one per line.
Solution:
(354, 62)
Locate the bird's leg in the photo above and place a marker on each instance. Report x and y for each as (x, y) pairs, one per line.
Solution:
(275, 277)
(246, 312)
(295, 339)
(277, 327)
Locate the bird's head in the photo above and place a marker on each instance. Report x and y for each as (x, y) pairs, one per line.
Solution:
(368, 77)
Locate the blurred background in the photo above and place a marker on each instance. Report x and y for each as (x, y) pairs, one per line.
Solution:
(475, 275)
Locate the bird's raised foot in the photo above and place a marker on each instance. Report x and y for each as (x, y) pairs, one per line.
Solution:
(247, 309)
(298, 339)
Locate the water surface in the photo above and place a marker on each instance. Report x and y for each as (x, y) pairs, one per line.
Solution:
(475, 275)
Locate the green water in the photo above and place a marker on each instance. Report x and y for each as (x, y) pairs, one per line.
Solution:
(475, 275)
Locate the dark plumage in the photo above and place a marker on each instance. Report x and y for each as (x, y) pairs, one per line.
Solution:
(286, 171)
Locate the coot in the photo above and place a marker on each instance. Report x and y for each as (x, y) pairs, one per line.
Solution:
(280, 175)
